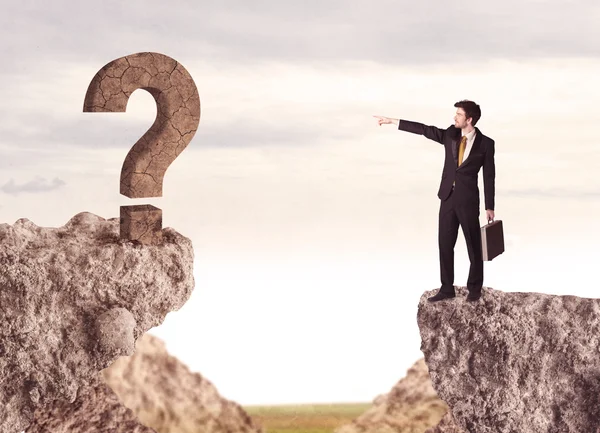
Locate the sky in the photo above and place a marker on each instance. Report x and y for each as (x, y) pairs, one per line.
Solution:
(314, 229)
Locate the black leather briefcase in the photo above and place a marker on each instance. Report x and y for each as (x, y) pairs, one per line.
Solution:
(492, 240)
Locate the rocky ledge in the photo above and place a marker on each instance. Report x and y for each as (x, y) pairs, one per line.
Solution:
(514, 361)
(72, 300)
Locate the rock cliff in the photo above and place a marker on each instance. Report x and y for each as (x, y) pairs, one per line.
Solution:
(72, 300)
(165, 395)
(96, 409)
(515, 362)
(410, 407)
(154, 393)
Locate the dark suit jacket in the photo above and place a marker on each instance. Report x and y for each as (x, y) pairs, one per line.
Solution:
(482, 154)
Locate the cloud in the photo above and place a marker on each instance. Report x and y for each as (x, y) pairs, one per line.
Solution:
(38, 185)
(392, 32)
(71, 133)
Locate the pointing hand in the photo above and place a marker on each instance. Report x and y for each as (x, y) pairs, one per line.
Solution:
(382, 120)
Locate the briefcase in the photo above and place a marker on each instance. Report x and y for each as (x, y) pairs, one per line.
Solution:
(492, 240)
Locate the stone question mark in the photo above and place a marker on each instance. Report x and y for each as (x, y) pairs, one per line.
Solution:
(177, 119)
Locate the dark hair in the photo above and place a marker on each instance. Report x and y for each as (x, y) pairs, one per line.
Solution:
(471, 110)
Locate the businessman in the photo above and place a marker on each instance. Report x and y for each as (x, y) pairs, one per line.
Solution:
(467, 150)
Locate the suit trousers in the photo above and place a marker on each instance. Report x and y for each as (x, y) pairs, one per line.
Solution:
(450, 217)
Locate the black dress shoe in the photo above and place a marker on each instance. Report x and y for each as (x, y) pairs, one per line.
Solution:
(472, 297)
(441, 296)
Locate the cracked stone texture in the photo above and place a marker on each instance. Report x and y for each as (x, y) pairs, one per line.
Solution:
(72, 300)
(95, 410)
(177, 115)
(515, 362)
(165, 395)
(410, 407)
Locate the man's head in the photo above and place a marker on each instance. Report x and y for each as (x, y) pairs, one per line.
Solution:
(467, 113)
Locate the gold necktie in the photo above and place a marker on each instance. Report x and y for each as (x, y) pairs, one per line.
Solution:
(461, 149)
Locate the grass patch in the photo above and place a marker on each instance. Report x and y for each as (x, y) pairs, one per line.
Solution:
(306, 418)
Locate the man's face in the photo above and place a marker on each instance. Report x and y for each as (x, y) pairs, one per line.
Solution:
(460, 119)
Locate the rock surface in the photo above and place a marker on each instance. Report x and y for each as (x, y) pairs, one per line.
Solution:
(410, 407)
(73, 299)
(96, 409)
(446, 425)
(515, 362)
(165, 395)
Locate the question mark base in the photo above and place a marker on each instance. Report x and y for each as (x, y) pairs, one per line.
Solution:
(142, 223)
